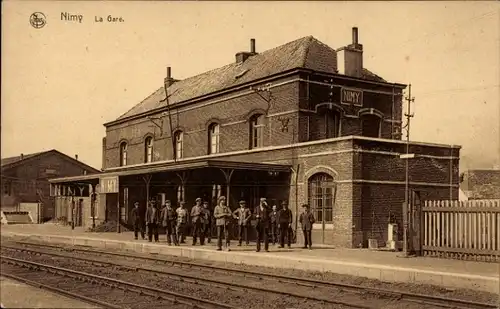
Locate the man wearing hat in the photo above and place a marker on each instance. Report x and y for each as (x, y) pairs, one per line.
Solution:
(285, 224)
(262, 225)
(197, 220)
(243, 215)
(168, 219)
(306, 220)
(222, 215)
(152, 220)
(137, 220)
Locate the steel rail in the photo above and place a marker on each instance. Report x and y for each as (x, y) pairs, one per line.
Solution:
(446, 302)
(172, 296)
(197, 279)
(62, 292)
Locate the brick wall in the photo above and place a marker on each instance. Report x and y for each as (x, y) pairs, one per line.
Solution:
(32, 175)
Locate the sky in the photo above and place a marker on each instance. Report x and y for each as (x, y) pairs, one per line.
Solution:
(60, 83)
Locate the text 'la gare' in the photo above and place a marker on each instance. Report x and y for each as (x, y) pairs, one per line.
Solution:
(110, 19)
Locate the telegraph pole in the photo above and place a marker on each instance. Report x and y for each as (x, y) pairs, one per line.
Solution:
(407, 224)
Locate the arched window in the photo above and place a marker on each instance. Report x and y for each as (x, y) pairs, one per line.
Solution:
(325, 124)
(256, 131)
(123, 153)
(179, 140)
(370, 125)
(321, 196)
(148, 149)
(213, 138)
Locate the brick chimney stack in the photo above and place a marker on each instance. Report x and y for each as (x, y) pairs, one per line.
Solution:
(350, 57)
(22, 156)
(169, 80)
(76, 157)
(242, 56)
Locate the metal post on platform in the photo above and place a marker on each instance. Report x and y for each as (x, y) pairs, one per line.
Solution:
(406, 209)
(118, 225)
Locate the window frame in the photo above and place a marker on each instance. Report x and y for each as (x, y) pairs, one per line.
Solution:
(179, 144)
(257, 131)
(321, 196)
(123, 153)
(214, 138)
(363, 119)
(148, 149)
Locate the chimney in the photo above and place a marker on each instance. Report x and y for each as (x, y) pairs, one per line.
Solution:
(169, 80)
(76, 157)
(355, 35)
(350, 57)
(242, 56)
(22, 156)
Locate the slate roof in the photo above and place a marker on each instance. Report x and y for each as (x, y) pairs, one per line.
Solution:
(10, 162)
(306, 52)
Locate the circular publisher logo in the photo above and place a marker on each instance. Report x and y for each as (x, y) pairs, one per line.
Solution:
(38, 20)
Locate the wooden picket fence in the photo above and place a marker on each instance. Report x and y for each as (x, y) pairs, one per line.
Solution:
(468, 230)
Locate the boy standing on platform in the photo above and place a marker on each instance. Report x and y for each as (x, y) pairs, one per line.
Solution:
(306, 221)
(182, 219)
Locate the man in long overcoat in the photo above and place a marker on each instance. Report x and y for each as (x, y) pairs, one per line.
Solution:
(262, 216)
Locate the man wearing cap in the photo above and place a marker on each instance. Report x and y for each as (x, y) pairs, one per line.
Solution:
(222, 215)
(197, 220)
(137, 221)
(285, 224)
(262, 225)
(152, 220)
(168, 219)
(182, 219)
(243, 215)
(306, 220)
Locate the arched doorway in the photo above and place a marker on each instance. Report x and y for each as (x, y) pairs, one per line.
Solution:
(321, 198)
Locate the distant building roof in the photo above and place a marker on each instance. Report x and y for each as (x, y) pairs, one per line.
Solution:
(13, 161)
(307, 52)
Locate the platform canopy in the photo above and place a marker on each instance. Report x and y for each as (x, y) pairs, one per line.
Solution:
(159, 167)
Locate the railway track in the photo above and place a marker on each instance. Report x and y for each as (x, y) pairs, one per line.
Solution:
(365, 292)
(99, 290)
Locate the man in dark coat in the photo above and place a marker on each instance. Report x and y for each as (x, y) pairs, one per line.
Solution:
(207, 222)
(137, 221)
(274, 225)
(306, 220)
(285, 224)
(243, 215)
(152, 221)
(169, 219)
(262, 224)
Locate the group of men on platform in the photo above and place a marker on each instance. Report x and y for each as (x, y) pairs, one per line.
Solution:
(277, 223)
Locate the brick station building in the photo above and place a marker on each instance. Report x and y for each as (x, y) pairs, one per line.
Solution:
(301, 122)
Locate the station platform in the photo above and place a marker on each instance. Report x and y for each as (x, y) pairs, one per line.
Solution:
(14, 294)
(380, 265)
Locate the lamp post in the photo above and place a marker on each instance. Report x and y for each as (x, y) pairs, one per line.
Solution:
(406, 207)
